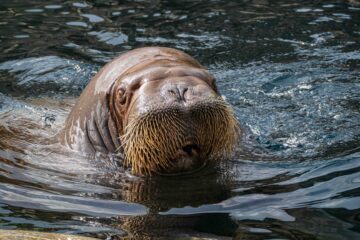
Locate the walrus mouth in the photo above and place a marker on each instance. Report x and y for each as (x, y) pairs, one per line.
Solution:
(173, 139)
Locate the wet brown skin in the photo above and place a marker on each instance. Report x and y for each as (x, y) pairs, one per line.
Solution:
(156, 106)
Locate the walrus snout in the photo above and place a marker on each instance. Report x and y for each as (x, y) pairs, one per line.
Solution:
(177, 138)
(186, 91)
(179, 92)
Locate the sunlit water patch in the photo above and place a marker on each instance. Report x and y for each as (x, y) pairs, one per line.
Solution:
(300, 110)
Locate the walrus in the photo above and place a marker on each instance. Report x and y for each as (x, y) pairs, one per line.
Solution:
(158, 108)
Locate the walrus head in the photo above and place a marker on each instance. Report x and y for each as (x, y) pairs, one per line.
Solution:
(171, 117)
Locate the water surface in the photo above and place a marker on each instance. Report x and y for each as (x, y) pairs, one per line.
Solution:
(290, 69)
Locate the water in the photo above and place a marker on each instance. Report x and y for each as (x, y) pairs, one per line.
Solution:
(290, 69)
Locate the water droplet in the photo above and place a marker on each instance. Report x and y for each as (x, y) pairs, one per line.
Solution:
(53, 6)
(93, 18)
(77, 24)
(34, 10)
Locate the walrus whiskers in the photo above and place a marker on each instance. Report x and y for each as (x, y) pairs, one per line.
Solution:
(151, 139)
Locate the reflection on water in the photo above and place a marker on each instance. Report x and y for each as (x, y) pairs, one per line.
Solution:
(290, 69)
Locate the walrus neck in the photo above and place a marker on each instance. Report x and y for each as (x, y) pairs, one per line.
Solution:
(115, 123)
(114, 132)
(101, 130)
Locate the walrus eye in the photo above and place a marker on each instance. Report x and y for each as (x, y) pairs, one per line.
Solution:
(122, 96)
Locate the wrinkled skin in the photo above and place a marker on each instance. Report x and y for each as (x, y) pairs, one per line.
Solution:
(152, 83)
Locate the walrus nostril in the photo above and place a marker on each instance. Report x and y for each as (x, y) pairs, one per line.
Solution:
(178, 92)
(190, 149)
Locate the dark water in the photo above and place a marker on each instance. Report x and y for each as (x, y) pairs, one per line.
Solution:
(290, 69)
